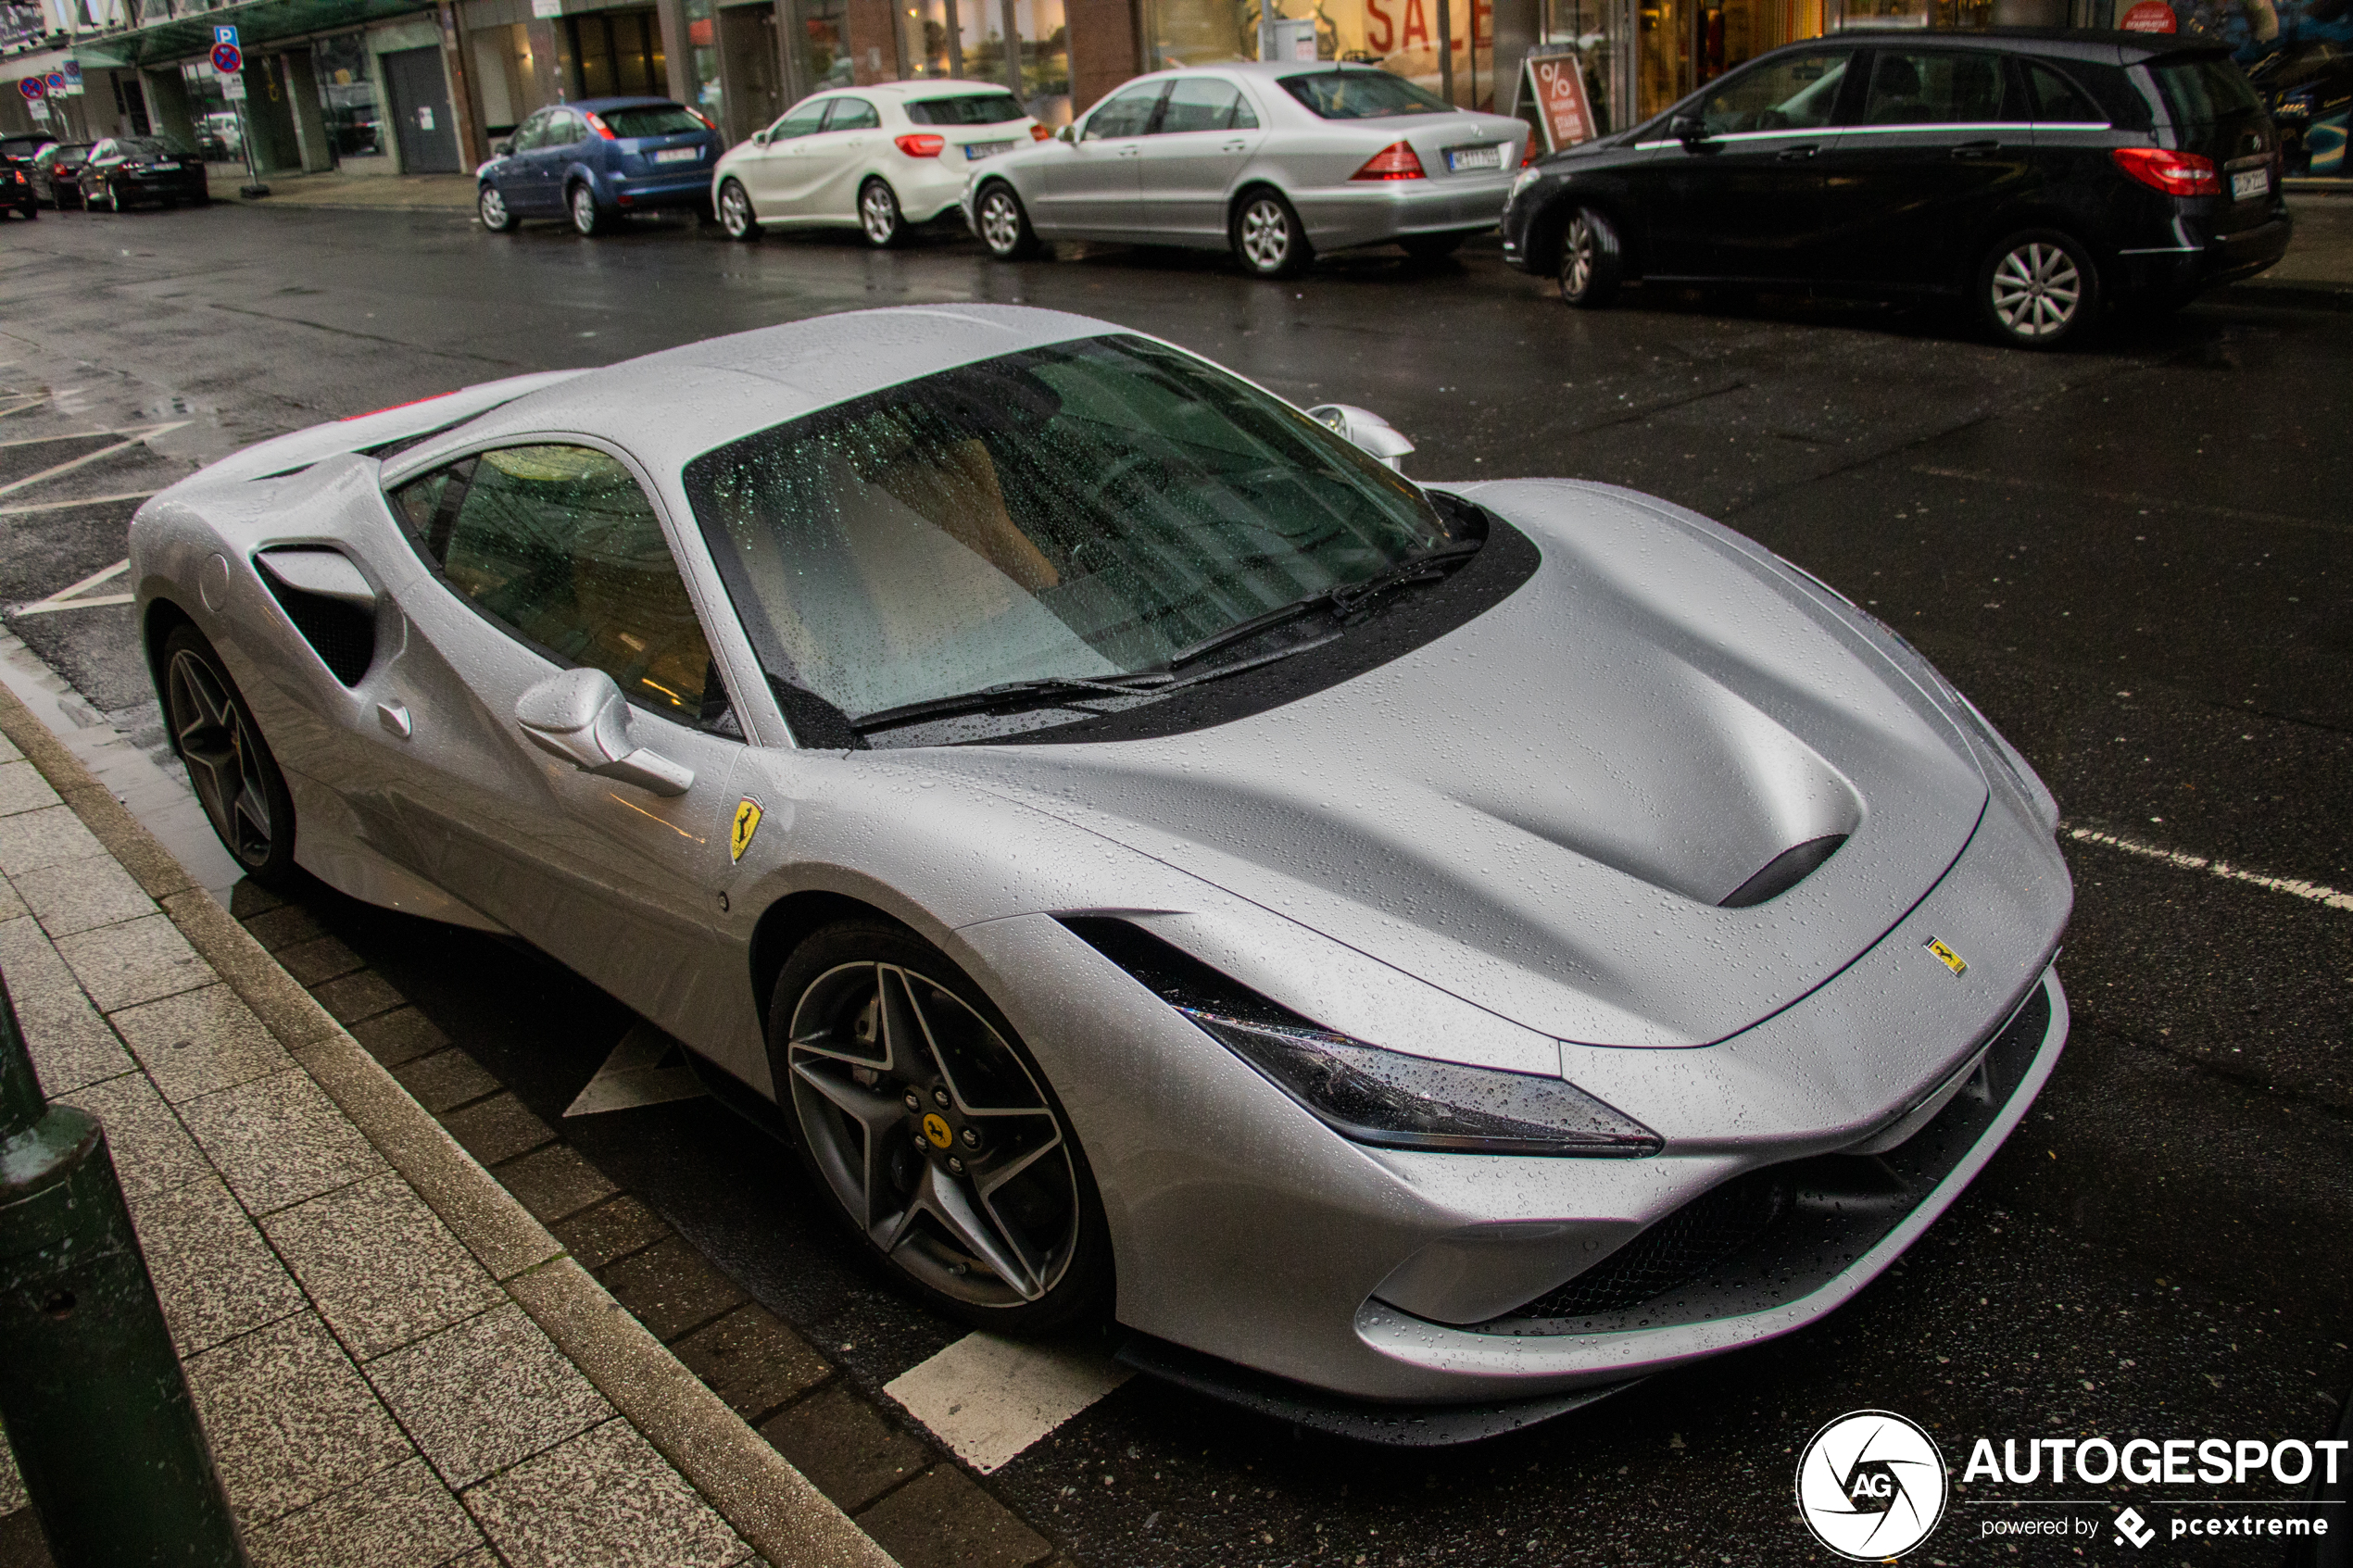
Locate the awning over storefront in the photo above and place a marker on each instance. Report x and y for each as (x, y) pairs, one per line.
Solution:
(259, 23)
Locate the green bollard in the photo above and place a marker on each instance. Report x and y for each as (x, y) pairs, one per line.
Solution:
(90, 1389)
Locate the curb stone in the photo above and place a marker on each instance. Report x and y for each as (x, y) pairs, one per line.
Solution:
(761, 1496)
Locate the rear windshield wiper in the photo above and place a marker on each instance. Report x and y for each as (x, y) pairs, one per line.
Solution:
(1344, 600)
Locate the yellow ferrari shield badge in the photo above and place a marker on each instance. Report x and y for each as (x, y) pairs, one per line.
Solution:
(936, 1129)
(747, 824)
(1945, 955)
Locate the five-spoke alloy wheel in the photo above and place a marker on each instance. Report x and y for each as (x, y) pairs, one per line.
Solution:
(879, 216)
(735, 212)
(236, 780)
(933, 1132)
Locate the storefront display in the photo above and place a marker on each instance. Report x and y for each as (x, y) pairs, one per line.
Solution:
(348, 99)
(966, 38)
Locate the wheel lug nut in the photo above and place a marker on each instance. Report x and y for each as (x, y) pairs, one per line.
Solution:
(955, 1166)
(939, 1098)
(912, 1102)
(971, 1138)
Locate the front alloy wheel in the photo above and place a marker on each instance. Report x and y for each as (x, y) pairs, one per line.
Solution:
(735, 212)
(878, 215)
(1591, 264)
(933, 1133)
(236, 778)
(1005, 227)
(492, 208)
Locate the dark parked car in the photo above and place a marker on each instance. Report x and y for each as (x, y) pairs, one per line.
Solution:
(123, 171)
(57, 173)
(2043, 176)
(597, 159)
(16, 154)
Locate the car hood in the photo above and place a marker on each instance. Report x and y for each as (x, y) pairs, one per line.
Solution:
(1541, 811)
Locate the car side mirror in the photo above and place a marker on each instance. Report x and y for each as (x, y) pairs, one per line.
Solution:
(1687, 128)
(505, 148)
(760, 138)
(582, 716)
(1364, 429)
(1067, 134)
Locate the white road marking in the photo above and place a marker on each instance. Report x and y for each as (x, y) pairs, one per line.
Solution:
(83, 501)
(64, 597)
(647, 1068)
(135, 440)
(990, 1398)
(2295, 886)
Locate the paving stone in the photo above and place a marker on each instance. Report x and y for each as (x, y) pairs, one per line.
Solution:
(401, 1518)
(151, 1149)
(290, 1419)
(9, 752)
(32, 840)
(487, 1394)
(12, 1494)
(360, 996)
(943, 1519)
(11, 907)
(318, 961)
(138, 961)
(497, 1129)
(608, 1231)
(280, 1140)
(23, 789)
(752, 1360)
(444, 1079)
(249, 898)
(402, 1035)
(21, 1543)
(554, 1181)
(81, 896)
(71, 1045)
(481, 1557)
(605, 1497)
(215, 1276)
(338, 1246)
(283, 926)
(199, 1042)
(670, 1288)
(845, 1446)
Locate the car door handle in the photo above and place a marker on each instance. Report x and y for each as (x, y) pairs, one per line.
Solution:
(393, 717)
(1238, 146)
(1798, 155)
(1976, 149)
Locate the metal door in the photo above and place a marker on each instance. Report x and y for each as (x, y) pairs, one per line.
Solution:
(1206, 134)
(1093, 186)
(420, 116)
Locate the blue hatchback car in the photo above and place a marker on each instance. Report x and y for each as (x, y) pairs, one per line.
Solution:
(597, 159)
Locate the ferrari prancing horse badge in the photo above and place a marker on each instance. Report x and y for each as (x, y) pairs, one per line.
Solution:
(747, 824)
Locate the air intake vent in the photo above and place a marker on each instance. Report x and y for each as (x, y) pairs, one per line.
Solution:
(1675, 1251)
(338, 627)
(1784, 871)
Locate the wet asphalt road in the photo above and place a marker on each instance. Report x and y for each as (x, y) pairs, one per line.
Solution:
(2134, 558)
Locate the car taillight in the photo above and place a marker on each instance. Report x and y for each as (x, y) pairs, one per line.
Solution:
(601, 129)
(1528, 158)
(1396, 161)
(920, 143)
(707, 124)
(2177, 174)
(1039, 133)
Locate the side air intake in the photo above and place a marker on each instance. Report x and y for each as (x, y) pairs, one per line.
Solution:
(330, 603)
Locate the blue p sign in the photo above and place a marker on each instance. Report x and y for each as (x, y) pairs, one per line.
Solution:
(225, 35)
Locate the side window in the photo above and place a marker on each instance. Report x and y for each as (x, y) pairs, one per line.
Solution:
(564, 128)
(534, 132)
(1201, 102)
(803, 119)
(1934, 87)
(853, 114)
(1127, 114)
(2056, 98)
(560, 545)
(1795, 93)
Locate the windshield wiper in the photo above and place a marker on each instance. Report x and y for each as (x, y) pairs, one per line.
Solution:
(1345, 599)
(1011, 696)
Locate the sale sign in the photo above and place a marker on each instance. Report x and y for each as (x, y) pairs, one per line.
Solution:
(2150, 16)
(1556, 83)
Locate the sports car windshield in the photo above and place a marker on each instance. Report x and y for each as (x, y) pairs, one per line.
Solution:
(1080, 511)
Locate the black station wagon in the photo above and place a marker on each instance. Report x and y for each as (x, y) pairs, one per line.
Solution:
(2044, 176)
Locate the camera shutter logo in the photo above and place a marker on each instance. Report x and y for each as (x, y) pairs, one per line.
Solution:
(1871, 1485)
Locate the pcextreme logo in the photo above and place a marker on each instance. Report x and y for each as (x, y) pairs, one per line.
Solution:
(1871, 1485)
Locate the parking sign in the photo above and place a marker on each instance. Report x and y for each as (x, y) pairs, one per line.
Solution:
(225, 35)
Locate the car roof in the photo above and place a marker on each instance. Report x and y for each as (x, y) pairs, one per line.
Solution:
(599, 106)
(671, 406)
(2075, 42)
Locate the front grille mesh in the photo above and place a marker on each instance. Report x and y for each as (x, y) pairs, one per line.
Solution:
(1675, 1251)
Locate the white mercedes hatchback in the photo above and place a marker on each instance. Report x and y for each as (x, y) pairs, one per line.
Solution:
(884, 158)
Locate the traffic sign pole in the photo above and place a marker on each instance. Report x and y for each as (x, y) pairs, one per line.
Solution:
(229, 63)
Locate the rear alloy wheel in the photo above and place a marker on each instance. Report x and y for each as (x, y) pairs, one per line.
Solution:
(879, 216)
(1004, 224)
(933, 1132)
(1591, 264)
(2038, 290)
(735, 212)
(587, 218)
(236, 778)
(1266, 237)
(492, 205)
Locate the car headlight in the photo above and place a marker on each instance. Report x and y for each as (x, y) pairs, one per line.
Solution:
(1526, 177)
(1362, 1092)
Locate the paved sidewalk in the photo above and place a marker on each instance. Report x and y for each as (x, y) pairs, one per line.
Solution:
(2318, 268)
(396, 1364)
(388, 193)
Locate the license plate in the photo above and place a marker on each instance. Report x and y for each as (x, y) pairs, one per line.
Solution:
(2254, 183)
(678, 155)
(164, 167)
(985, 149)
(1460, 159)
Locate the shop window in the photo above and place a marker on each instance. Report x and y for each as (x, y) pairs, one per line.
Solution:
(616, 54)
(347, 97)
(822, 28)
(1935, 87)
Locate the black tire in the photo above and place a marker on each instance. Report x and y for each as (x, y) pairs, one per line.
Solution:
(1593, 264)
(2038, 289)
(32, 213)
(236, 779)
(587, 218)
(490, 205)
(879, 217)
(880, 1126)
(1431, 247)
(735, 214)
(1004, 223)
(1266, 237)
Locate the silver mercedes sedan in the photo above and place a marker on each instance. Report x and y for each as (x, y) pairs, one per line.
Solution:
(1276, 162)
(1418, 956)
